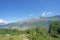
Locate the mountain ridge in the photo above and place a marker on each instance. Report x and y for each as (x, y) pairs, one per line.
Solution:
(41, 21)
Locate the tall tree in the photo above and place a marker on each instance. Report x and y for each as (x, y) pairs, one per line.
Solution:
(54, 29)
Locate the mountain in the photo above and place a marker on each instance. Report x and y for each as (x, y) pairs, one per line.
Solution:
(41, 21)
(57, 16)
(1, 24)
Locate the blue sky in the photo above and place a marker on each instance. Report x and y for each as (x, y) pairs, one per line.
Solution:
(15, 10)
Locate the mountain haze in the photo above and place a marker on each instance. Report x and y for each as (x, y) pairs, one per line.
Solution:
(41, 21)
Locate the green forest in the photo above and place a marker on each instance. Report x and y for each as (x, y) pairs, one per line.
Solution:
(38, 33)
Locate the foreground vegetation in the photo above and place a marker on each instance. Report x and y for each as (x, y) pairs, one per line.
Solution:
(38, 33)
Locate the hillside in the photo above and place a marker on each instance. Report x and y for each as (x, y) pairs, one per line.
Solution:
(41, 21)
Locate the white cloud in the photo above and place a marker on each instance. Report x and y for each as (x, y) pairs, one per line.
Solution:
(3, 21)
(31, 15)
(45, 13)
(48, 13)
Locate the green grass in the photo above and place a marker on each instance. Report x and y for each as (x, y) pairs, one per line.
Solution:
(13, 37)
(24, 36)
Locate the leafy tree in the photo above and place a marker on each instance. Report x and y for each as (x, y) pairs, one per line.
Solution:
(54, 29)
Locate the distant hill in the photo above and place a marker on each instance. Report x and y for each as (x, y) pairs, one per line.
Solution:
(57, 16)
(41, 21)
(1, 24)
